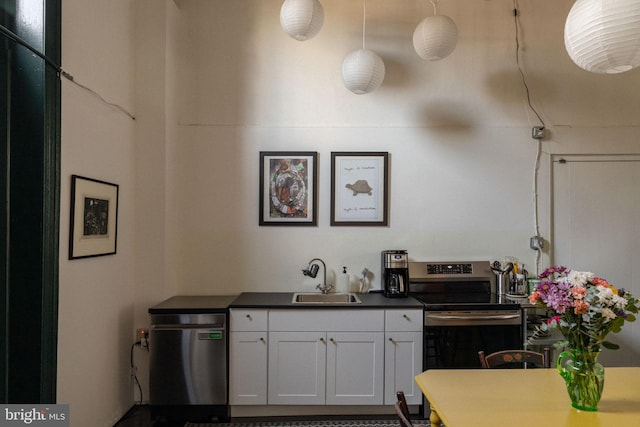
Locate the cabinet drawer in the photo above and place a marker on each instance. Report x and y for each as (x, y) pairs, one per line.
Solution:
(404, 320)
(336, 320)
(248, 320)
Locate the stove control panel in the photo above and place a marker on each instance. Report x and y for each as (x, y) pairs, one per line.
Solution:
(461, 268)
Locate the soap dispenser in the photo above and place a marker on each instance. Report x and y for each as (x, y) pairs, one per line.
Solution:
(343, 281)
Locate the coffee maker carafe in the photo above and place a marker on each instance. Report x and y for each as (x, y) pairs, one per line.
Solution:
(395, 273)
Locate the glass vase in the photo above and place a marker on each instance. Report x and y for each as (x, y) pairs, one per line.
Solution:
(584, 377)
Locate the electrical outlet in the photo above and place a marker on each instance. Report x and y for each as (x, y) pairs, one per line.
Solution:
(537, 132)
(536, 243)
(142, 336)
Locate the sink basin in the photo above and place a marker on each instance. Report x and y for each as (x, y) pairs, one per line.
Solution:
(341, 298)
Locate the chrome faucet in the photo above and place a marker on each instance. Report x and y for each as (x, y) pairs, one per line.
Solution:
(312, 271)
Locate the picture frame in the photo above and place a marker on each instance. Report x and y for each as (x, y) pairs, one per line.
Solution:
(93, 227)
(359, 188)
(288, 188)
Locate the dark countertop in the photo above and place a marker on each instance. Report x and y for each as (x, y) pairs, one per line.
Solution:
(283, 300)
(193, 304)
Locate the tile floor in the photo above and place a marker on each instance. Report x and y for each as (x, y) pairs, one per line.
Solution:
(140, 416)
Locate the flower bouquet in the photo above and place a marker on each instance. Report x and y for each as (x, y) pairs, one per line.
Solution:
(584, 308)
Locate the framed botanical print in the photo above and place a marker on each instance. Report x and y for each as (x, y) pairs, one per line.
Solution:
(93, 224)
(288, 188)
(359, 188)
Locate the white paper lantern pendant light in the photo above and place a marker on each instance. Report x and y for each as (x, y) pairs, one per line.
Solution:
(362, 70)
(603, 36)
(301, 19)
(436, 36)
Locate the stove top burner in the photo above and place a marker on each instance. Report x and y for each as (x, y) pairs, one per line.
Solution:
(443, 298)
(465, 302)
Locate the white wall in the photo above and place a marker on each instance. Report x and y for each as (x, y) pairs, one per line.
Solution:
(458, 132)
(218, 81)
(96, 308)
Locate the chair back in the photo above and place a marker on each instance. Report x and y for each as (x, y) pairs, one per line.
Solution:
(403, 410)
(516, 359)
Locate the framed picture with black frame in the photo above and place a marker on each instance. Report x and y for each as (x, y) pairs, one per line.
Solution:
(359, 188)
(93, 227)
(288, 188)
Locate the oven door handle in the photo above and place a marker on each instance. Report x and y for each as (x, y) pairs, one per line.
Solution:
(474, 317)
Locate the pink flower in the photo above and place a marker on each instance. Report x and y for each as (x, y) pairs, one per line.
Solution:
(601, 282)
(581, 307)
(578, 292)
(534, 297)
(552, 319)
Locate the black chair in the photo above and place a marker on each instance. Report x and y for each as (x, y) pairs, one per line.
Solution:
(403, 410)
(516, 359)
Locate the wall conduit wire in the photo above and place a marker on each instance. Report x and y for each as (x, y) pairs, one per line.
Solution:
(17, 39)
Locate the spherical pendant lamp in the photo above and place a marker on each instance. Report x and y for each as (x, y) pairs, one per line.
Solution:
(603, 36)
(301, 19)
(435, 37)
(362, 71)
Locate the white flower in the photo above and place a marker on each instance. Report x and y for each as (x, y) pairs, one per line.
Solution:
(579, 278)
(607, 313)
(604, 294)
(619, 302)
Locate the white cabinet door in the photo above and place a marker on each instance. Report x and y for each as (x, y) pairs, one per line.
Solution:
(248, 368)
(403, 361)
(355, 363)
(297, 366)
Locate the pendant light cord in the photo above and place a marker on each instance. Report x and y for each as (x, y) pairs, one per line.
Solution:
(364, 22)
(435, 6)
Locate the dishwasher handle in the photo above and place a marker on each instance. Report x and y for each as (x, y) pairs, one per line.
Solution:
(173, 327)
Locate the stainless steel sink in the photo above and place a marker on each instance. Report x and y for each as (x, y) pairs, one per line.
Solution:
(340, 298)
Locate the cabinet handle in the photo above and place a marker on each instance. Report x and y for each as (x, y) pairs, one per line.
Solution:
(390, 339)
(331, 339)
(405, 316)
(249, 316)
(322, 339)
(261, 339)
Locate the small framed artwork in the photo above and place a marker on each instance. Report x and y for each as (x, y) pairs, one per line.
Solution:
(94, 218)
(359, 189)
(288, 188)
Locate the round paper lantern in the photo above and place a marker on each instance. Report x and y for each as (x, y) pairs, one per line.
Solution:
(301, 19)
(435, 37)
(603, 36)
(362, 71)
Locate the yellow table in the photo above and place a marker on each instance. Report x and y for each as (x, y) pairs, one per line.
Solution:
(525, 397)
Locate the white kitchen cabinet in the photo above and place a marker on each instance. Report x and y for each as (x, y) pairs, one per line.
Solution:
(403, 354)
(355, 362)
(333, 357)
(248, 357)
(297, 366)
(324, 356)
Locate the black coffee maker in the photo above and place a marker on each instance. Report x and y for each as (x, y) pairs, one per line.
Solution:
(395, 273)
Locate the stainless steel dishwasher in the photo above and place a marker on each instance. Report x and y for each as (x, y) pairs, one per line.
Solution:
(188, 366)
(188, 359)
